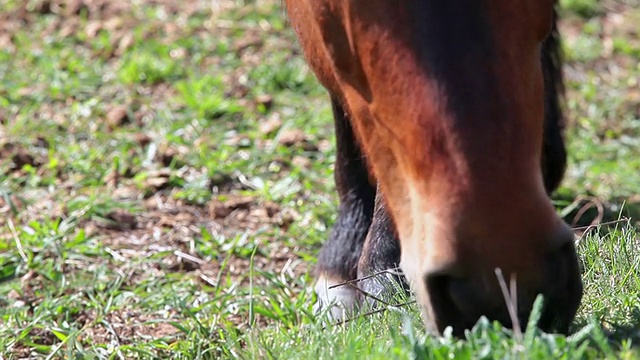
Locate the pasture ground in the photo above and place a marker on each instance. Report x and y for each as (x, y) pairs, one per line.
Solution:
(166, 181)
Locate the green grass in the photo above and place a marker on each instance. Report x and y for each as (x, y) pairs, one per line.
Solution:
(605, 328)
(151, 208)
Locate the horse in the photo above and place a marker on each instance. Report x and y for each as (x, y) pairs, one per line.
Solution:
(449, 137)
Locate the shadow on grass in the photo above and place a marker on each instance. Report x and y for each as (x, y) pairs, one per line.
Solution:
(630, 331)
(618, 336)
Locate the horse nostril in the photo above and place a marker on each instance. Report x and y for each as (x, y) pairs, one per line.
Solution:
(456, 302)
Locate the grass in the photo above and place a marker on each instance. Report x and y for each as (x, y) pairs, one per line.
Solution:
(165, 184)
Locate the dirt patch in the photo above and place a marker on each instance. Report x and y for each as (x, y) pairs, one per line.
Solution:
(121, 327)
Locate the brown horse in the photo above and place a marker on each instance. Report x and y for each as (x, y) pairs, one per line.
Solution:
(447, 116)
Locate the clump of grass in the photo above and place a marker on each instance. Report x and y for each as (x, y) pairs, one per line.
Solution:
(583, 8)
(205, 95)
(152, 64)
